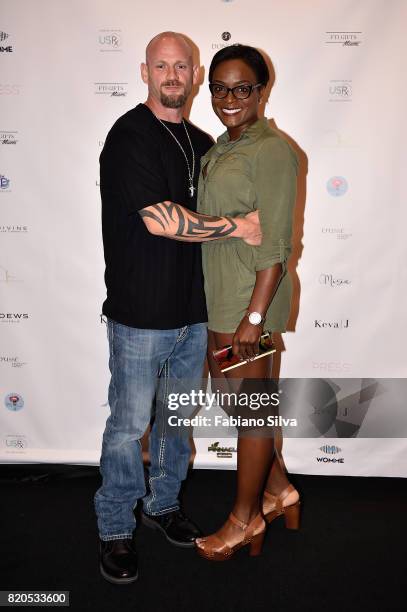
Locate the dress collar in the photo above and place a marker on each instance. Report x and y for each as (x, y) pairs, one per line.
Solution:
(251, 132)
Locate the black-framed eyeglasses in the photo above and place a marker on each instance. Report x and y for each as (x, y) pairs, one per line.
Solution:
(241, 92)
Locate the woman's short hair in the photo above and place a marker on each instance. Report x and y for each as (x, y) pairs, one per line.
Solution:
(249, 55)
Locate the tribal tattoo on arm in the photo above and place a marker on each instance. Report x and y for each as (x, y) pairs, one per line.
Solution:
(174, 221)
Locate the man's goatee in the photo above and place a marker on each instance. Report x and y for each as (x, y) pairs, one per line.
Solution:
(173, 101)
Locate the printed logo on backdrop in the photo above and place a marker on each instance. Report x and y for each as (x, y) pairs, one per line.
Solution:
(7, 277)
(5, 48)
(114, 90)
(340, 91)
(340, 233)
(4, 183)
(332, 367)
(14, 402)
(223, 452)
(343, 39)
(334, 324)
(8, 137)
(13, 317)
(225, 36)
(13, 229)
(330, 450)
(12, 361)
(15, 444)
(7, 89)
(337, 186)
(328, 280)
(110, 41)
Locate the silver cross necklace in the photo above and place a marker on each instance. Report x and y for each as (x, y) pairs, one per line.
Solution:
(191, 187)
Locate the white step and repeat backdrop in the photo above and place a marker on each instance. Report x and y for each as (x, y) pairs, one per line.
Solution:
(68, 70)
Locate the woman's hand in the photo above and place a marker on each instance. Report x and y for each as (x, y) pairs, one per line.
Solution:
(246, 339)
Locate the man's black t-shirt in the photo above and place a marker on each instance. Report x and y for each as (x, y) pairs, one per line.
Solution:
(152, 282)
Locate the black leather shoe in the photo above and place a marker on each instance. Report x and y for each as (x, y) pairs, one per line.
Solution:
(118, 561)
(177, 528)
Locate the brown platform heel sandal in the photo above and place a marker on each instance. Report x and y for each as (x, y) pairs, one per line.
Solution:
(216, 548)
(290, 512)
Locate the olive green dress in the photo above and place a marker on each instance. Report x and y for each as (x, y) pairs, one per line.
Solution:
(256, 171)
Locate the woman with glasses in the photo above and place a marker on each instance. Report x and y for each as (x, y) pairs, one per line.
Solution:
(247, 288)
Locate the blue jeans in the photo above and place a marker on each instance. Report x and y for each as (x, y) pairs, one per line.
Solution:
(141, 363)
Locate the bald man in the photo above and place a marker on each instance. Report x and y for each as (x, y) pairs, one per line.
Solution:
(155, 305)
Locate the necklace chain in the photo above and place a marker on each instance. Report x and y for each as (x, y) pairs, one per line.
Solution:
(191, 188)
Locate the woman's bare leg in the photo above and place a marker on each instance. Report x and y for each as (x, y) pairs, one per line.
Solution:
(254, 453)
(255, 469)
(277, 480)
